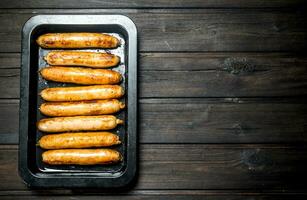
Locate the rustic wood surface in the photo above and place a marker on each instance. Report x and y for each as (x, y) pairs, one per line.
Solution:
(196, 29)
(223, 92)
(149, 4)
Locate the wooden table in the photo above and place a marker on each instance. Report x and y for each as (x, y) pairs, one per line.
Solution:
(223, 88)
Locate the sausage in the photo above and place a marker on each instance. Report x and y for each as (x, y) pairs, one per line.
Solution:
(77, 40)
(78, 140)
(80, 75)
(81, 156)
(94, 107)
(94, 92)
(82, 58)
(78, 123)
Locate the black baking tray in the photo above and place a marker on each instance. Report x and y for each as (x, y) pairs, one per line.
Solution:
(31, 168)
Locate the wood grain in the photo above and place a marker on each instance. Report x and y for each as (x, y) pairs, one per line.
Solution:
(242, 63)
(153, 195)
(150, 194)
(9, 60)
(221, 121)
(201, 167)
(225, 120)
(9, 121)
(149, 4)
(188, 30)
(9, 83)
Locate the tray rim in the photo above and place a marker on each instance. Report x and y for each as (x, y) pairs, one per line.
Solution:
(42, 180)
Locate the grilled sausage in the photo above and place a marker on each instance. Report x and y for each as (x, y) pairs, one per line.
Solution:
(80, 75)
(82, 58)
(78, 140)
(82, 93)
(77, 40)
(81, 156)
(94, 107)
(78, 123)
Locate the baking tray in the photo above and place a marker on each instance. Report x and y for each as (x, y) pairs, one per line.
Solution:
(33, 171)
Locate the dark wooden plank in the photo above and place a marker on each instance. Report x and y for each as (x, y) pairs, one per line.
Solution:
(189, 30)
(149, 4)
(137, 193)
(222, 74)
(159, 195)
(203, 75)
(9, 83)
(201, 121)
(284, 82)
(201, 167)
(241, 63)
(9, 119)
(219, 121)
(9, 60)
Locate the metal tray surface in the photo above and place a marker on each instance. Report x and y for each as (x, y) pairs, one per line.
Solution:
(33, 171)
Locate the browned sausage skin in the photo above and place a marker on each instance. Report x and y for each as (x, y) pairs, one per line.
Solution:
(82, 93)
(77, 40)
(82, 58)
(80, 108)
(78, 140)
(78, 123)
(79, 75)
(81, 156)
